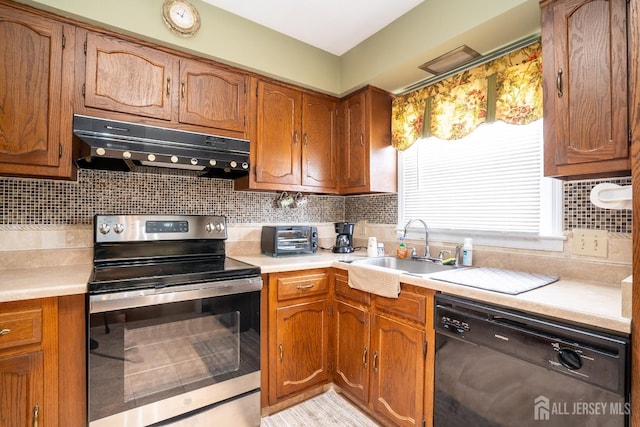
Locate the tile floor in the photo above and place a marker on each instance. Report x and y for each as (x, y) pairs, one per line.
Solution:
(326, 410)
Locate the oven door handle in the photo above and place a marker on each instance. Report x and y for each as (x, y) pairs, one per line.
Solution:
(101, 303)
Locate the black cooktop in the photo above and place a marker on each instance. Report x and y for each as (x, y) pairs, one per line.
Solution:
(145, 274)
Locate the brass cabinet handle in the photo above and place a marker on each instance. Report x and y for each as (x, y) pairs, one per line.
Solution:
(36, 415)
(295, 137)
(303, 287)
(5, 331)
(559, 83)
(306, 139)
(375, 362)
(168, 86)
(183, 85)
(364, 357)
(281, 352)
(362, 139)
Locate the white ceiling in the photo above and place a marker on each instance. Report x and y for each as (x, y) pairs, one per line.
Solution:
(331, 25)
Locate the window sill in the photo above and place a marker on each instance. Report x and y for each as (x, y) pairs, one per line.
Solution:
(503, 240)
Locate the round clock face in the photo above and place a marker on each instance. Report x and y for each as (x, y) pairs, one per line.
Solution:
(181, 17)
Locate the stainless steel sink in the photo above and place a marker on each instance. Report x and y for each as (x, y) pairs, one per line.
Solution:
(408, 265)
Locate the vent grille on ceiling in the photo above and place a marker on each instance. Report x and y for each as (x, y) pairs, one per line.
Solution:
(450, 60)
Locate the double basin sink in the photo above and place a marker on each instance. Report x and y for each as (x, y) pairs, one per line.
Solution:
(411, 266)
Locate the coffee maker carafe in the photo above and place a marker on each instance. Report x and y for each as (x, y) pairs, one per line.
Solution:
(344, 240)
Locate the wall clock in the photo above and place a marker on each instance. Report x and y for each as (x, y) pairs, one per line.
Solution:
(181, 17)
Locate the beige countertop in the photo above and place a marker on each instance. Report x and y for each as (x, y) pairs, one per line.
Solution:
(29, 283)
(589, 303)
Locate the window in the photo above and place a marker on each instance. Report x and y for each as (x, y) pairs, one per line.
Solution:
(488, 185)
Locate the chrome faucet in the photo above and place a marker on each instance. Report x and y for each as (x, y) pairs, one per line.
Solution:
(427, 253)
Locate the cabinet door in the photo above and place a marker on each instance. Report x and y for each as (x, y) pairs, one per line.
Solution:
(278, 135)
(352, 350)
(319, 133)
(397, 382)
(22, 391)
(300, 352)
(129, 78)
(355, 156)
(212, 97)
(585, 81)
(35, 113)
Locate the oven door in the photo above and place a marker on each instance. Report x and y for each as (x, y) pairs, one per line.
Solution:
(161, 354)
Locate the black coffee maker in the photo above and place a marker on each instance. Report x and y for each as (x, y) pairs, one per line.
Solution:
(344, 240)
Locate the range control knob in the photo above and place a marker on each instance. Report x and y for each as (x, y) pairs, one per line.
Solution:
(233, 164)
(174, 159)
(126, 155)
(212, 162)
(104, 228)
(217, 227)
(151, 157)
(194, 161)
(245, 165)
(100, 151)
(118, 228)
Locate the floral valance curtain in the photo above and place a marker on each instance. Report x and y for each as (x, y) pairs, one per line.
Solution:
(508, 88)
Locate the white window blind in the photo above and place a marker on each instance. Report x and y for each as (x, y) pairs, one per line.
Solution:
(488, 182)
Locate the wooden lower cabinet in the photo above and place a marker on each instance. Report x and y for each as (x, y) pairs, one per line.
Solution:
(22, 390)
(397, 364)
(384, 352)
(378, 351)
(298, 332)
(301, 347)
(352, 339)
(42, 362)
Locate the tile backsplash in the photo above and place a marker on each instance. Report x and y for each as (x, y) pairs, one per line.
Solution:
(35, 201)
(48, 202)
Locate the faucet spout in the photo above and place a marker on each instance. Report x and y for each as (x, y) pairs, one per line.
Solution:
(427, 253)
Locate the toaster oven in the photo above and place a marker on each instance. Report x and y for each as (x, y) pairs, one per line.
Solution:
(289, 240)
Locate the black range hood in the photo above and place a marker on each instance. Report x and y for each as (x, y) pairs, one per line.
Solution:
(115, 145)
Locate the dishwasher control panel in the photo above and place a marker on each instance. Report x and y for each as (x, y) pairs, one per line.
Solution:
(454, 325)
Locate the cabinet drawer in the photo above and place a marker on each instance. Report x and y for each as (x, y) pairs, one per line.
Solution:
(408, 305)
(20, 327)
(298, 285)
(343, 290)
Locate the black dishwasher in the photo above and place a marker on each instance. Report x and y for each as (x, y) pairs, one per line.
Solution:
(498, 367)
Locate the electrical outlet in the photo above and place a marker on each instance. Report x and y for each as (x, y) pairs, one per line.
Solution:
(361, 229)
(590, 242)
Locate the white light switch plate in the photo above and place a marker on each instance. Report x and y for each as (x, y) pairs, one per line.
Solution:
(590, 242)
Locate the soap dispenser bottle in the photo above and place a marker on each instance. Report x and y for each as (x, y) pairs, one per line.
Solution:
(402, 251)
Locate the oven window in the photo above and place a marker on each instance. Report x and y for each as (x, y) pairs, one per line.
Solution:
(142, 355)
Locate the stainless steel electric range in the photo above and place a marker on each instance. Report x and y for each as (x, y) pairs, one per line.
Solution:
(174, 325)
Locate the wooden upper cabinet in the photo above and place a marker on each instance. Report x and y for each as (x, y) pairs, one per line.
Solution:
(585, 87)
(355, 156)
(319, 143)
(212, 97)
(293, 140)
(129, 78)
(368, 162)
(278, 140)
(36, 77)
